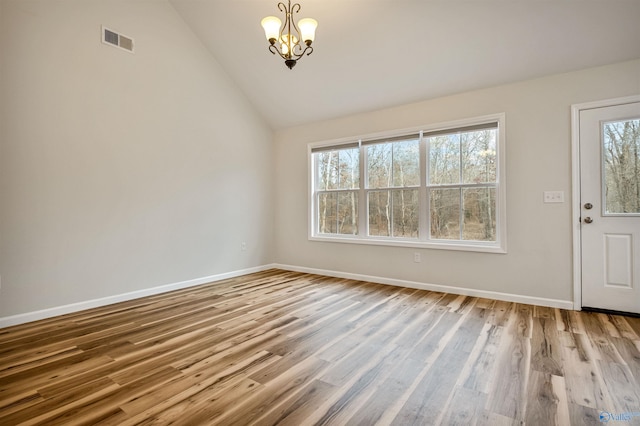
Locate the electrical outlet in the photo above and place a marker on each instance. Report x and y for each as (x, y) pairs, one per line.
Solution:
(416, 257)
(554, 196)
(243, 246)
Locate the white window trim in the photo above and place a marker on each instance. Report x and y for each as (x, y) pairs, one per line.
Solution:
(500, 245)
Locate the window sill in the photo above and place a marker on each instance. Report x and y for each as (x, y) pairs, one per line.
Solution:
(445, 245)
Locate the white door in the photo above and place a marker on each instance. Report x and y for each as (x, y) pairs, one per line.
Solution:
(610, 207)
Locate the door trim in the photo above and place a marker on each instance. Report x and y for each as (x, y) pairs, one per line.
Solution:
(576, 208)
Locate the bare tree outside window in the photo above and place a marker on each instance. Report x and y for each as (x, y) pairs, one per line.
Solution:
(338, 178)
(462, 176)
(393, 167)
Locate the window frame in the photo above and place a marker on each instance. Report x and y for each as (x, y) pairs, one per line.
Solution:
(424, 239)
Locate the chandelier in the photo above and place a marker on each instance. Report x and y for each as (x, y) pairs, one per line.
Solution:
(286, 42)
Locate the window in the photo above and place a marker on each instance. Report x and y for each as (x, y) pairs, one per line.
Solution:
(338, 181)
(393, 180)
(440, 186)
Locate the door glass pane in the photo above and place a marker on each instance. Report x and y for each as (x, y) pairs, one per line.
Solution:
(479, 214)
(445, 214)
(621, 156)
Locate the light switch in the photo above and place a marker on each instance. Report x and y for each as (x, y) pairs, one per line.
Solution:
(554, 196)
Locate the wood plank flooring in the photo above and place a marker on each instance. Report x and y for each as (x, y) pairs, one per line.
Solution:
(288, 348)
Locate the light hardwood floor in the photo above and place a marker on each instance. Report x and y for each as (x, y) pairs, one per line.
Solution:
(288, 348)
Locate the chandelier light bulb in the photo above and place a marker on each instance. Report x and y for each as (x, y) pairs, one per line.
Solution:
(286, 45)
(271, 26)
(308, 29)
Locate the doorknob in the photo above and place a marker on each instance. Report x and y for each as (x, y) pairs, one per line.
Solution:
(588, 220)
(588, 206)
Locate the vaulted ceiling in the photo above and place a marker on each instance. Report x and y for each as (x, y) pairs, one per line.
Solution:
(372, 54)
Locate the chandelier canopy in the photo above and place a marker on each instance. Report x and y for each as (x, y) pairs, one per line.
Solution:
(286, 41)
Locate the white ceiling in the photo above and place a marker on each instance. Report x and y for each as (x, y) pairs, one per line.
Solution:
(373, 54)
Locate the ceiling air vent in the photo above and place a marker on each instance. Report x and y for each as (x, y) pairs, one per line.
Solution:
(112, 38)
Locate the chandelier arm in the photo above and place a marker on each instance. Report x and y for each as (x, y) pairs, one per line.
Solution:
(281, 38)
(286, 29)
(273, 49)
(296, 49)
(286, 10)
(295, 27)
(292, 21)
(289, 22)
(301, 53)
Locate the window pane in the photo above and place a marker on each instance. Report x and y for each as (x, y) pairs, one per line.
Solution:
(444, 159)
(479, 214)
(338, 169)
(379, 217)
(338, 212)
(479, 156)
(348, 212)
(349, 170)
(405, 213)
(327, 171)
(621, 166)
(406, 163)
(394, 164)
(445, 214)
(379, 160)
(327, 221)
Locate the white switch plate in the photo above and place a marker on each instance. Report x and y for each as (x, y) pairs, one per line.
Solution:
(554, 196)
(416, 257)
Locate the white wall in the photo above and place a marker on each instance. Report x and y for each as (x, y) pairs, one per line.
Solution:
(121, 172)
(538, 138)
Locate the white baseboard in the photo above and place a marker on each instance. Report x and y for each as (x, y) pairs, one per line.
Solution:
(88, 304)
(80, 306)
(507, 297)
